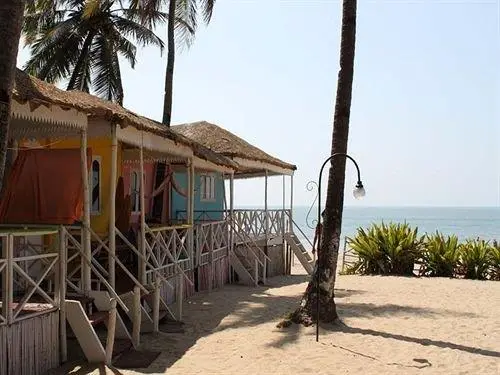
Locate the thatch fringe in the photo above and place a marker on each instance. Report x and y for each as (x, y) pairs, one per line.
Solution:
(226, 143)
(37, 92)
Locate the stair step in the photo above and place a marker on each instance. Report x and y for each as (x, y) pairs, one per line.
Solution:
(98, 317)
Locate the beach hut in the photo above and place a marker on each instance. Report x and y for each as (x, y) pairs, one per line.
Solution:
(66, 191)
(263, 239)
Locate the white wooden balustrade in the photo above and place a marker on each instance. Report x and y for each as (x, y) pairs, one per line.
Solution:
(28, 273)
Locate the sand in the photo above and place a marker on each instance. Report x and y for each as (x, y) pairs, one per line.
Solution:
(393, 325)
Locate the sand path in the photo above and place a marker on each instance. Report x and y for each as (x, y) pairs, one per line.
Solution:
(393, 326)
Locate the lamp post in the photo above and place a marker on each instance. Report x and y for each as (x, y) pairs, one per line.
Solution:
(358, 192)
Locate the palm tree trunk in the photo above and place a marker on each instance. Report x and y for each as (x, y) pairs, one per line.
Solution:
(330, 240)
(169, 75)
(11, 22)
(82, 59)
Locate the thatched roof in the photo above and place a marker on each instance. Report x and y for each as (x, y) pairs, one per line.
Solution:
(228, 144)
(30, 89)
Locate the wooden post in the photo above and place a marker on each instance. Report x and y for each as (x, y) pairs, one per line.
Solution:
(190, 208)
(112, 207)
(180, 295)
(266, 222)
(284, 229)
(86, 271)
(292, 257)
(142, 262)
(210, 258)
(8, 278)
(264, 271)
(156, 306)
(136, 321)
(62, 294)
(231, 213)
(256, 272)
(110, 340)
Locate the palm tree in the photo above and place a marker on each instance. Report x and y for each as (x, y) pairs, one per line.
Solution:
(82, 40)
(186, 10)
(11, 20)
(329, 249)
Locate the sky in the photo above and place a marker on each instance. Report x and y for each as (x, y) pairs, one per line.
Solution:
(425, 122)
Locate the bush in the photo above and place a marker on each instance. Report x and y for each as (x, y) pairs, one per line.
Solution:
(495, 261)
(440, 255)
(385, 249)
(475, 259)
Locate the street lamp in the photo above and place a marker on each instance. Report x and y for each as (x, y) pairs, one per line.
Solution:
(358, 192)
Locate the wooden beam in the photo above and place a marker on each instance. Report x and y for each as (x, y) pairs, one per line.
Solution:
(62, 293)
(86, 282)
(112, 206)
(150, 141)
(142, 216)
(262, 166)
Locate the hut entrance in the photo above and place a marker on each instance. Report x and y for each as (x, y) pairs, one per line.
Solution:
(161, 201)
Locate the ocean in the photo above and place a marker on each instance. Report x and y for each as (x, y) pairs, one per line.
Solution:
(461, 221)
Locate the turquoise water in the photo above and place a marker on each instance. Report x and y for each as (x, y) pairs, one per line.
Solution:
(464, 222)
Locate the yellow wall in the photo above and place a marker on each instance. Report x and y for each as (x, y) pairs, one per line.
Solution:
(100, 147)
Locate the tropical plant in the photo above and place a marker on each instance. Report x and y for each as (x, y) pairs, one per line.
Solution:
(386, 249)
(475, 257)
(440, 255)
(183, 19)
(495, 261)
(11, 20)
(326, 267)
(82, 40)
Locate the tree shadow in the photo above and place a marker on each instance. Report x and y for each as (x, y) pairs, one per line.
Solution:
(370, 310)
(231, 307)
(291, 334)
(416, 340)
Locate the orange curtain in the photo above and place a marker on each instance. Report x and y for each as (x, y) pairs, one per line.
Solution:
(44, 187)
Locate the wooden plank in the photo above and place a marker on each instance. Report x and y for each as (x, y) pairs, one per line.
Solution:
(84, 332)
(102, 301)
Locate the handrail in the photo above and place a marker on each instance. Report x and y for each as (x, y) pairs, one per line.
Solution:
(99, 276)
(301, 231)
(253, 242)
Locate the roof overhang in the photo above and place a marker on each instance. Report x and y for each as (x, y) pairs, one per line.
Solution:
(253, 168)
(131, 155)
(208, 166)
(35, 120)
(152, 142)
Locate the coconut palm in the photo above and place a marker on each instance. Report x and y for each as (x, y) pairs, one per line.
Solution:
(183, 21)
(11, 20)
(82, 41)
(329, 247)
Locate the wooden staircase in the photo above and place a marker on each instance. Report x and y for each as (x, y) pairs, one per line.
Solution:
(300, 252)
(243, 269)
(147, 324)
(83, 314)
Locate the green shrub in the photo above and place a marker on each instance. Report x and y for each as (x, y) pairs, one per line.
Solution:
(386, 249)
(475, 259)
(440, 255)
(495, 261)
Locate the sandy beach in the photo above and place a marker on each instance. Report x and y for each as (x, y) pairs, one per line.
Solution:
(393, 325)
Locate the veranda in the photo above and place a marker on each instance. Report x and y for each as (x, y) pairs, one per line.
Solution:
(138, 272)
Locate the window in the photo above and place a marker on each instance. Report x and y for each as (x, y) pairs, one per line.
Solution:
(135, 188)
(207, 188)
(95, 186)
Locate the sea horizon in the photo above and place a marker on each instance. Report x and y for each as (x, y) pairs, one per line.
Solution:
(464, 221)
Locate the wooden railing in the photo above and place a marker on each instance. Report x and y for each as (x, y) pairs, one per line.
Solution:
(212, 242)
(255, 223)
(168, 252)
(27, 280)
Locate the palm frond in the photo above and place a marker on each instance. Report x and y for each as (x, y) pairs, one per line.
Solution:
(142, 34)
(105, 81)
(207, 8)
